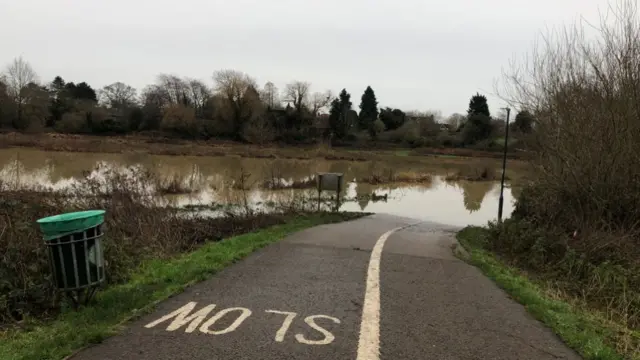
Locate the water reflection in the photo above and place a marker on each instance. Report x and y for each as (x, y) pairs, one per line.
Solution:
(221, 180)
(473, 193)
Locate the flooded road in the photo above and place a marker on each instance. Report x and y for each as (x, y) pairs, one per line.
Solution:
(220, 180)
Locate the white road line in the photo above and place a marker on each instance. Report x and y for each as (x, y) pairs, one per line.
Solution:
(369, 341)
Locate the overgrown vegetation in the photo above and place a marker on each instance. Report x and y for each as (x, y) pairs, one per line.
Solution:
(154, 281)
(139, 226)
(575, 227)
(588, 331)
(236, 109)
(174, 185)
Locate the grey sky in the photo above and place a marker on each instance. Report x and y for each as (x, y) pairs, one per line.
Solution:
(416, 54)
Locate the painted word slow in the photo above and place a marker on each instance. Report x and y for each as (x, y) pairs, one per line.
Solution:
(186, 317)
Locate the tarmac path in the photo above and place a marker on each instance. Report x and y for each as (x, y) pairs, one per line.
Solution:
(380, 287)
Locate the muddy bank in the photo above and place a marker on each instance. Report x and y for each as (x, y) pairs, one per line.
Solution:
(158, 144)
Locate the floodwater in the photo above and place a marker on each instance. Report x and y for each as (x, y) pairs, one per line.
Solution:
(457, 203)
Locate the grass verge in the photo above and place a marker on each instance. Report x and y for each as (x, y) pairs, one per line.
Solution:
(585, 330)
(155, 281)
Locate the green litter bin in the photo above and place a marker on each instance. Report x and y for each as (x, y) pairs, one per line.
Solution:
(75, 249)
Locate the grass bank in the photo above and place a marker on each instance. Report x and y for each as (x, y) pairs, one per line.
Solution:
(154, 281)
(589, 330)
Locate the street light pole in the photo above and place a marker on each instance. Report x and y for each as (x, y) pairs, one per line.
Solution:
(504, 165)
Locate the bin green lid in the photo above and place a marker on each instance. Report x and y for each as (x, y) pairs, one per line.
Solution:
(69, 223)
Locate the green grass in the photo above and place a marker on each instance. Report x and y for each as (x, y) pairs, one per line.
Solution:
(153, 282)
(582, 330)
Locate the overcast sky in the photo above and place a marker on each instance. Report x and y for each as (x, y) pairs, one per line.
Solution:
(416, 54)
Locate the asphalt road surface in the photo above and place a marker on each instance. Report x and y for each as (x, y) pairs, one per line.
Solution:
(380, 287)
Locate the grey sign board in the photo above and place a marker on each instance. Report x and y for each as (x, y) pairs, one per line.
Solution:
(329, 181)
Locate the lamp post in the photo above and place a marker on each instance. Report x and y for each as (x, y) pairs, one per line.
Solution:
(504, 164)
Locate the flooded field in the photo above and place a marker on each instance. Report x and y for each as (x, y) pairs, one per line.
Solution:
(397, 188)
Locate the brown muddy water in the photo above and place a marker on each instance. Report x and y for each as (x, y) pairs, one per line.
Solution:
(456, 203)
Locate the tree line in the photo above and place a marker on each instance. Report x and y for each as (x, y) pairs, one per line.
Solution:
(235, 107)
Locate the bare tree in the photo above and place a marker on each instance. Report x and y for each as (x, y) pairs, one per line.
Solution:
(437, 115)
(175, 87)
(118, 95)
(232, 84)
(456, 120)
(297, 91)
(270, 96)
(155, 100)
(6, 104)
(198, 94)
(17, 77)
(239, 91)
(154, 95)
(318, 101)
(584, 93)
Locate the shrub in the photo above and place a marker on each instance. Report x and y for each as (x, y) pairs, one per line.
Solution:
(137, 230)
(407, 133)
(136, 119)
(258, 130)
(181, 120)
(586, 137)
(448, 140)
(72, 122)
(217, 127)
(600, 267)
(102, 121)
(377, 127)
(478, 127)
